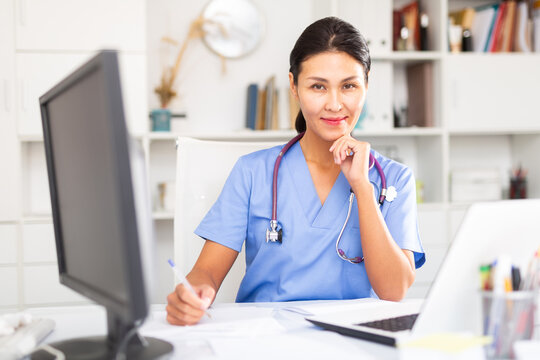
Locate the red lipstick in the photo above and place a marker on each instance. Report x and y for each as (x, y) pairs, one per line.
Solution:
(334, 120)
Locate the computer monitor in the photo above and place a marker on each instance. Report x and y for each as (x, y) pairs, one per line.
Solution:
(100, 207)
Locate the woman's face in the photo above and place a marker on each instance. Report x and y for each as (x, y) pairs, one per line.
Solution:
(331, 90)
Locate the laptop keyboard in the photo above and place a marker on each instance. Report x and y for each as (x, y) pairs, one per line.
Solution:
(399, 323)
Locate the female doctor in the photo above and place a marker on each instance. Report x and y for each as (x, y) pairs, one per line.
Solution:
(321, 255)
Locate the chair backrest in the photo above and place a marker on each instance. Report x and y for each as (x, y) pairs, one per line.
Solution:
(201, 170)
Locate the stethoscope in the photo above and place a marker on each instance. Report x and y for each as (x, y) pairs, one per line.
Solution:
(275, 232)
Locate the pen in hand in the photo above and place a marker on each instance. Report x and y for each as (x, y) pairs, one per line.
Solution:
(182, 279)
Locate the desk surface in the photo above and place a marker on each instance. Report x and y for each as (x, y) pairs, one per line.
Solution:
(243, 331)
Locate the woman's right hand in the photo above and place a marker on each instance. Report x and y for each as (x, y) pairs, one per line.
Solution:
(185, 308)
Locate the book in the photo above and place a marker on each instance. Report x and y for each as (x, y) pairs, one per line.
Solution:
(420, 94)
(496, 36)
(251, 105)
(522, 33)
(535, 26)
(481, 25)
(507, 37)
(491, 28)
(269, 105)
(261, 110)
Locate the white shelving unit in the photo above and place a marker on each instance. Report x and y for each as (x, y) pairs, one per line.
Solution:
(483, 110)
(41, 44)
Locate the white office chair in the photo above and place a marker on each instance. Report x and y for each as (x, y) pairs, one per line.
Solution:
(201, 170)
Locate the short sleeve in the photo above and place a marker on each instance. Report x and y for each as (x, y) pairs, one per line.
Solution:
(402, 217)
(226, 221)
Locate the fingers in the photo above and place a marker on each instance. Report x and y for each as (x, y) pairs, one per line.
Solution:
(207, 295)
(348, 146)
(340, 150)
(190, 298)
(186, 308)
(175, 316)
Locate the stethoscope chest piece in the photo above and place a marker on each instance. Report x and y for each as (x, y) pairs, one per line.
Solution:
(275, 233)
(391, 193)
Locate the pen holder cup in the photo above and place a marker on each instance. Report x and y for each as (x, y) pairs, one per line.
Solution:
(507, 317)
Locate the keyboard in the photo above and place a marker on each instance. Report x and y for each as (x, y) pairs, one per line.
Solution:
(399, 323)
(25, 339)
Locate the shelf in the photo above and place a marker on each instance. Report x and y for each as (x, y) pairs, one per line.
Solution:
(74, 51)
(31, 138)
(269, 135)
(8, 221)
(160, 215)
(283, 135)
(241, 135)
(509, 55)
(410, 56)
(407, 131)
(37, 218)
(8, 265)
(36, 138)
(491, 132)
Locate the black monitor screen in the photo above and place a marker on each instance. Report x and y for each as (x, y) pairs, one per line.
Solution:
(89, 159)
(85, 182)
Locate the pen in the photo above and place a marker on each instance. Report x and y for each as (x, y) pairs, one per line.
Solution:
(530, 278)
(516, 278)
(182, 279)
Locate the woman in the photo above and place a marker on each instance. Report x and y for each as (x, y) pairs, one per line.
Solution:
(379, 248)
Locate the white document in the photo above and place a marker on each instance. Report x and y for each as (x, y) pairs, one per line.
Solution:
(322, 345)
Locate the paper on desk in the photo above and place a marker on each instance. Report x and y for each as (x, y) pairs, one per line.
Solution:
(318, 308)
(250, 328)
(448, 342)
(316, 345)
(327, 306)
(225, 323)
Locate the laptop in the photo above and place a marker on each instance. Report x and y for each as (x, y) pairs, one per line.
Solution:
(489, 229)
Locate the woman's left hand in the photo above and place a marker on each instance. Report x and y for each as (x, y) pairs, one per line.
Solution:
(353, 157)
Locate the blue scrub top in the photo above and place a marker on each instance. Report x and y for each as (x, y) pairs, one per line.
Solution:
(305, 266)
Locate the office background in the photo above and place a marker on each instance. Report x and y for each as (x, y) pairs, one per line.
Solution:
(484, 114)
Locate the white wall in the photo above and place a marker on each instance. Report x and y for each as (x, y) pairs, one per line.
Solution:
(214, 101)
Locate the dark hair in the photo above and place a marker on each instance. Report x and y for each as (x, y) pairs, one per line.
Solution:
(328, 34)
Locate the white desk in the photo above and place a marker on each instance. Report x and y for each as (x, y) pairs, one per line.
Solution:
(241, 331)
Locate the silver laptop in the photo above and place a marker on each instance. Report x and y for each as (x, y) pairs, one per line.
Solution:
(510, 227)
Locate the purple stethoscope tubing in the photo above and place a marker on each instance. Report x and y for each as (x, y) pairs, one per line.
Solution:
(276, 169)
(372, 161)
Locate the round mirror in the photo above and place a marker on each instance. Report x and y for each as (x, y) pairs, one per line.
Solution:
(232, 28)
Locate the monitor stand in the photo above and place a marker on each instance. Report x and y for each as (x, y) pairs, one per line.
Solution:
(106, 347)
